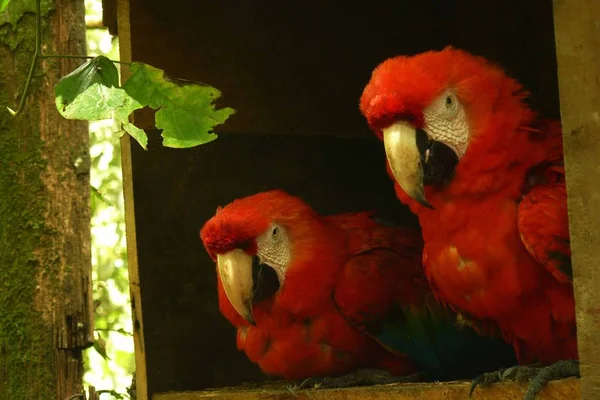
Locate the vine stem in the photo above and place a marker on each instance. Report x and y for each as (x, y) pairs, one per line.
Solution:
(37, 55)
(122, 332)
(82, 57)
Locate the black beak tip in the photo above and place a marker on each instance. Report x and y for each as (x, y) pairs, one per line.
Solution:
(419, 197)
(250, 319)
(425, 203)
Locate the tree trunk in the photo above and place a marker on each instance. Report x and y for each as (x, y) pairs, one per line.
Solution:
(45, 268)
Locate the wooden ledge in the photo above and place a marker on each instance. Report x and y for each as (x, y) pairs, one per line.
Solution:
(565, 389)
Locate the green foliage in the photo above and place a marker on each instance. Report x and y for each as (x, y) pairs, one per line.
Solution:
(122, 116)
(100, 347)
(91, 92)
(3, 4)
(185, 113)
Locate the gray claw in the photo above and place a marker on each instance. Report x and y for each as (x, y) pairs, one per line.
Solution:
(537, 376)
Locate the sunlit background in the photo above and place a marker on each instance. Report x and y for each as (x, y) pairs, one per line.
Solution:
(109, 365)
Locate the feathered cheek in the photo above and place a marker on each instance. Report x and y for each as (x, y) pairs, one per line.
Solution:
(445, 121)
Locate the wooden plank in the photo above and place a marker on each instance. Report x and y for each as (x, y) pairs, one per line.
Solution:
(109, 16)
(556, 390)
(577, 25)
(141, 381)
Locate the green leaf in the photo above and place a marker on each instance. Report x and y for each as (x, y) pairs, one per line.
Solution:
(91, 92)
(113, 393)
(137, 133)
(3, 4)
(147, 84)
(122, 116)
(188, 117)
(186, 113)
(100, 347)
(96, 193)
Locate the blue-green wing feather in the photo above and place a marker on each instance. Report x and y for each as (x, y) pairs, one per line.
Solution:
(383, 292)
(433, 338)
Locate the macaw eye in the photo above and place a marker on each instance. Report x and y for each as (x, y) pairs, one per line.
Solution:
(449, 102)
(275, 233)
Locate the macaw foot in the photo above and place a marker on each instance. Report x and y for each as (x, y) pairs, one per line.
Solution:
(361, 377)
(537, 375)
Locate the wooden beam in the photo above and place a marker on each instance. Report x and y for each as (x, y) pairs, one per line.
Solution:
(109, 16)
(577, 29)
(141, 381)
(556, 390)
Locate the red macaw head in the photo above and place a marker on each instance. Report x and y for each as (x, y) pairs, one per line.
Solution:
(261, 241)
(435, 110)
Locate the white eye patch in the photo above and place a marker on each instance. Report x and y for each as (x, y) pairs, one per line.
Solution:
(274, 249)
(446, 122)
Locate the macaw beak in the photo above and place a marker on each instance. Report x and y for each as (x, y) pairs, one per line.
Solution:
(235, 270)
(400, 142)
(417, 160)
(246, 281)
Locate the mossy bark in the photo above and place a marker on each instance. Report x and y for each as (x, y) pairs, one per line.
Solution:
(45, 267)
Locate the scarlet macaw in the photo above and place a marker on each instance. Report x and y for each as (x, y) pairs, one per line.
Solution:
(315, 296)
(484, 173)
